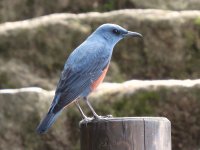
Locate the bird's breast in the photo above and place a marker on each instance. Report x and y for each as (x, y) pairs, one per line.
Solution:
(96, 83)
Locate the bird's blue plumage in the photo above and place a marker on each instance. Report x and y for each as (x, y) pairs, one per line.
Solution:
(84, 65)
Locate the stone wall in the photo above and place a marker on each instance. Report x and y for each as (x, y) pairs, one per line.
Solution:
(24, 9)
(33, 52)
(22, 109)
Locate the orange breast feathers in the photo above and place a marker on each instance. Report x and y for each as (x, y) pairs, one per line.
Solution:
(96, 83)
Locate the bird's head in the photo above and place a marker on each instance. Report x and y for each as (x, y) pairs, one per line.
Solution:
(113, 33)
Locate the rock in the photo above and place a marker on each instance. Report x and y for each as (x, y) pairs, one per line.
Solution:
(24, 9)
(15, 73)
(170, 47)
(22, 109)
(169, 4)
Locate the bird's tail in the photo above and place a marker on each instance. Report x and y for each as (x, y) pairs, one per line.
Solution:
(46, 123)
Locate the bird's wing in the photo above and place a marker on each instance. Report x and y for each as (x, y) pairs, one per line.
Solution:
(79, 74)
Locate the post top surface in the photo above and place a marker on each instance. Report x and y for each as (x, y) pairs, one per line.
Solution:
(126, 119)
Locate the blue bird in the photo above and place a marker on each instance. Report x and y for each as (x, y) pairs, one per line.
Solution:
(84, 70)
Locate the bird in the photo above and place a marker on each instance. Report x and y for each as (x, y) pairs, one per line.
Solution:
(84, 70)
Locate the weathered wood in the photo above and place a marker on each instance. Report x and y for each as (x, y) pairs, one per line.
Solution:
(129, 133)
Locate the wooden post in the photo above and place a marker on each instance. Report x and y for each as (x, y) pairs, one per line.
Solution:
(129, 133)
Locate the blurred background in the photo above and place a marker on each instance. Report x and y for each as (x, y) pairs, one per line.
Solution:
(36, 37)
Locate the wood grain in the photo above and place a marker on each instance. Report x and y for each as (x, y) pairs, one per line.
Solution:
(128, 133)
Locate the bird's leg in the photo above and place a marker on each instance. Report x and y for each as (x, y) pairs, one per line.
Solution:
(81, 111)
(91, 108)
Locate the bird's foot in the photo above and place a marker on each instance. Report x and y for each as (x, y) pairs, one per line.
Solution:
(86, 119)
(108, 116)
(97, 117)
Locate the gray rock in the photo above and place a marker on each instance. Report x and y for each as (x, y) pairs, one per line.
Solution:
(169, 4)
(22, 109)
(24, 9)
(35, 50)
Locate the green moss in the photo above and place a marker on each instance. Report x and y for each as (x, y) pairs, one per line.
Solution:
(193, 53)
(197, 21)
(190, 37)
(142, 103)
(109, 5)
(31, 140)
(5, 81)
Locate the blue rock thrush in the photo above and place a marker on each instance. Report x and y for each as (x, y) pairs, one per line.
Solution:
(84, 70)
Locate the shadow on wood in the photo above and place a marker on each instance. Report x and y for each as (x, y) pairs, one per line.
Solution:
(128, 133)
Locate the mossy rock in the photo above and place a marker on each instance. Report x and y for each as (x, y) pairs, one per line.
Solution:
(170, 47)
(25, 9)
(21, 111)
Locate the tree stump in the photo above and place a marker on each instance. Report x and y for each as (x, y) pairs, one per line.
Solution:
(128, 133)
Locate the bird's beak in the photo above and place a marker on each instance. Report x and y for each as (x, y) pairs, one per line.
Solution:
(133, 34)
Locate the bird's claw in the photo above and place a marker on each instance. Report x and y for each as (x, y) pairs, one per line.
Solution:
(109, 116)
(102, 117)
(96, 117)
(86, 119)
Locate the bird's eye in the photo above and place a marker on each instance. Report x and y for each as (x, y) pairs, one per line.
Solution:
(115, 31)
